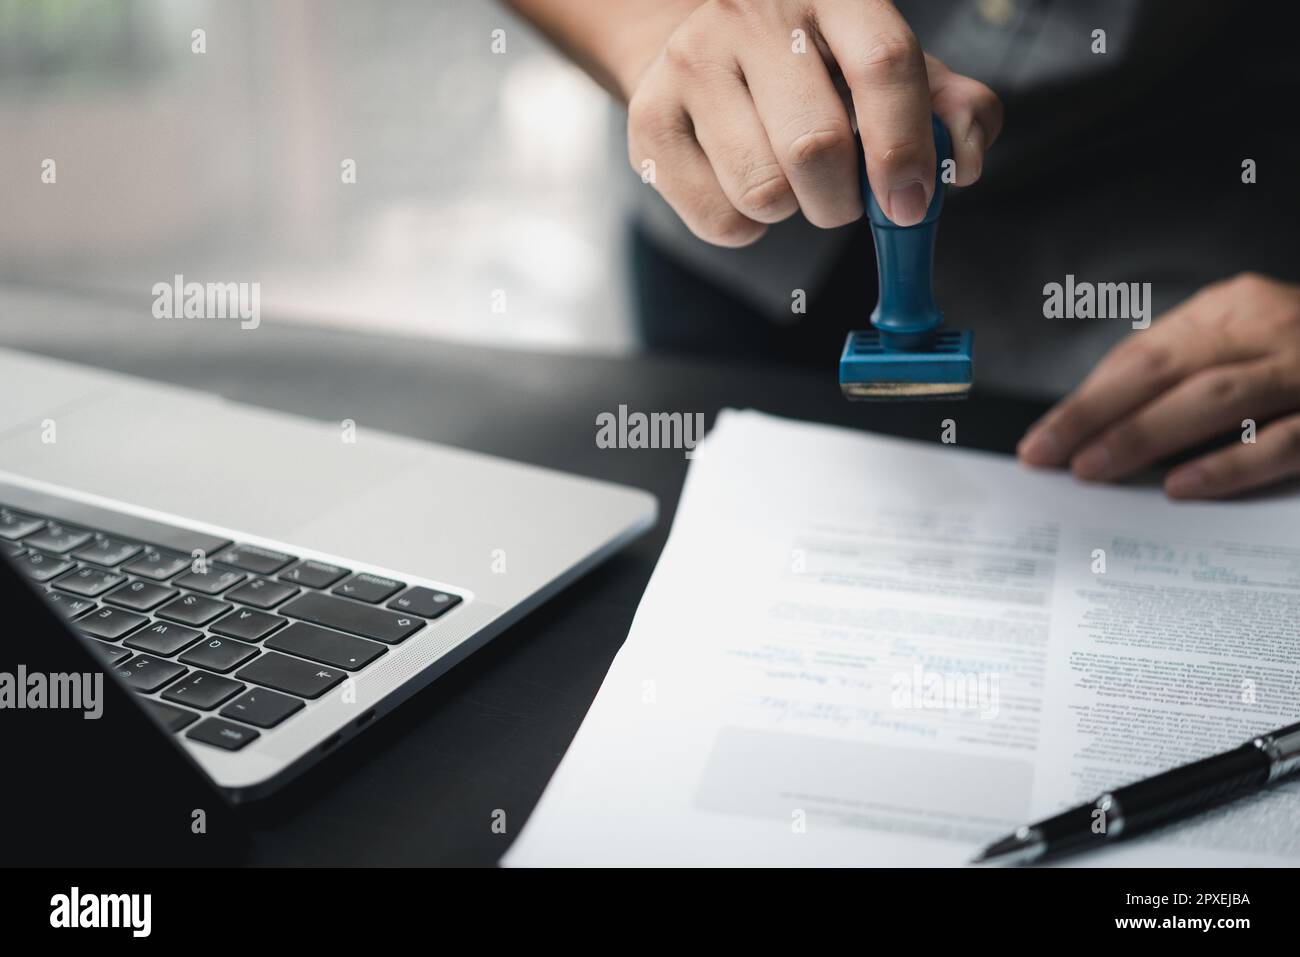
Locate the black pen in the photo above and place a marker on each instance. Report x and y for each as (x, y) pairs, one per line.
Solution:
(1146, 804)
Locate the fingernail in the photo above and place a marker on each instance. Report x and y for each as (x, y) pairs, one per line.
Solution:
(1092, 462)
(1040, 447)
(907, 203)
(1185, 483)
(975, 139)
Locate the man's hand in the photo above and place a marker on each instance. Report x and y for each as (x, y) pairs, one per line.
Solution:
(1230, 353)
(743, 129)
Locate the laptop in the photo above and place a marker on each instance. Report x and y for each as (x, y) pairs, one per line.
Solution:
(91, 779)
(267, 586)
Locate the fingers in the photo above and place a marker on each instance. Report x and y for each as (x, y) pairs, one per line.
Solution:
(1228, 354)
(1143, 366)
(970, 111)
(729, 130)
(1206, 405)
(807, 124)
(884, 68)
(662, 147)
(1274, 456)
(743, 127)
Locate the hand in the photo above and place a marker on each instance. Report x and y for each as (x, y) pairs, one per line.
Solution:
(744, 131)
(1229, 353)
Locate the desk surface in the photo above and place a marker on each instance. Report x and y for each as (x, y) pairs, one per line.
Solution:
(422, 786)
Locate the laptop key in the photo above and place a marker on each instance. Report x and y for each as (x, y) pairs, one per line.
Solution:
(212, 580)
(12, 549)
(370, 588)
(192, 609)
(353, 618)
(425, 602)
(203, 691)
(158, 564)
(15, 525)
(109, 552)
(290, 675)
(173, 719)
(111, 654)
(89, 582)
(163, 638)
(41, 567)
(262, 708)
(219, 654)
(313, 574)
(110, 623)
(255, 559)
(147, 674)
(326, 646)
(140, 596)
(222, 734)
(69, 606)
(58, 538)
(247, 625)
(262, 593)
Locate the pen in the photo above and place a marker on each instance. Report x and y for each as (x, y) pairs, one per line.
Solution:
(1143, 805)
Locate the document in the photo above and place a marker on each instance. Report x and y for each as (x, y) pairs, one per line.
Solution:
(858, 650)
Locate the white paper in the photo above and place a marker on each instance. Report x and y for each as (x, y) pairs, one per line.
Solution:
(858, 650)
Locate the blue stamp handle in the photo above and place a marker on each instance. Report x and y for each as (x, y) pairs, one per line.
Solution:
(906, 314)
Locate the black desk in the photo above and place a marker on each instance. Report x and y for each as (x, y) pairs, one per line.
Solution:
(421, 786)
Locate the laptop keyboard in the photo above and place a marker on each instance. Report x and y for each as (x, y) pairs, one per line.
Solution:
(226, 647)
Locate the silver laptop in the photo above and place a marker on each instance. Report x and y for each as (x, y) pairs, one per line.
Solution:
(269, 585)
